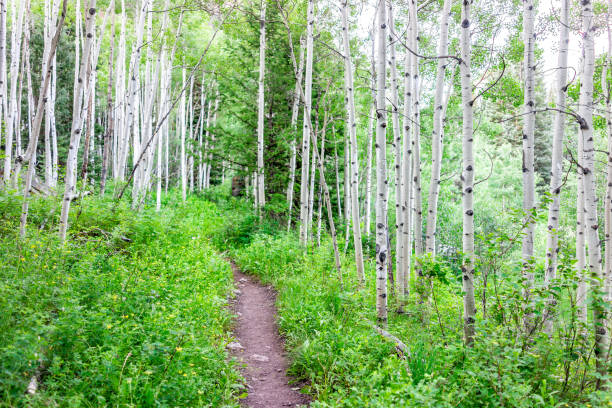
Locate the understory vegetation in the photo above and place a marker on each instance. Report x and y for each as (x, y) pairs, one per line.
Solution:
(130, 312)
(133, 312)
(329, 328)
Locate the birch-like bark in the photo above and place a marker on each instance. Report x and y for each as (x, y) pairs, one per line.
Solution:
(183, 114)
(350, 95)
(467, 268)
(397, 148)
(347, 192)
(110, 117)
(12, 126)
(261, 198)
(30, 154)
(556, 171)
(77, 120)
(528, 157)
(406, 179)
(338, 198)
(320, 192)
(313, 169)
(605, 86)
(586, 107)
(3, 75)
(294, 118)
(372, 126)
(306, 132)
(381, 169)
(437, 134)
(417, 209)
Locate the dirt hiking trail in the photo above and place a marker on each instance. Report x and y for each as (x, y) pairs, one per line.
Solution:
(259, 346)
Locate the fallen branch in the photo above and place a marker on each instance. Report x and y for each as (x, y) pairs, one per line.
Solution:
(401, 348)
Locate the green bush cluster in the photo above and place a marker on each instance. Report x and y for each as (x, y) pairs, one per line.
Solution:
(131, 311)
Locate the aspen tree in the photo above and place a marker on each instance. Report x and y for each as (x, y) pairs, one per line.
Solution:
(313, 169)
(306, 133)
(381, 169)
(556, 172)
(261, 198)
(437, 133)
(467, 177)
(528, 156)
(397, 148)
(3, 75)
(77, 120)
(586, 108)
(417, 209)
(30, 154)
(406, 179)
(12, 126)
(120, 136)
(294, 118)
(110, 117)
(183, 114)
(320, 193)
(338, 198)
(605, 86)
(371, 129)
(347, 191)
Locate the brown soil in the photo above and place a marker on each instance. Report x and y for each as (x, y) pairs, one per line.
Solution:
(259, 346)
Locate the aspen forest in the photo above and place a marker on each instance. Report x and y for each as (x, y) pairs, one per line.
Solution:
(306, 203)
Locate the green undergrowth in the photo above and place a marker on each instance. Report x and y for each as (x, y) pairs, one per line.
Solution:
(346, 363)
(130, 312)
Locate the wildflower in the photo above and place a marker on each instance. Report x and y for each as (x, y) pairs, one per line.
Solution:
(179, 349)
(108, 326)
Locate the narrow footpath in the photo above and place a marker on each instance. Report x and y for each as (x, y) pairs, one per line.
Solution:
(259, 346)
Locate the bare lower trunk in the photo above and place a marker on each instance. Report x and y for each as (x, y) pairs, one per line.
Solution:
(306, 133)
(556, 172)
(397, 148)
(467, 268)
(261, 199)
(437, 134)
(382, 250)
(77, 120)
(294, 118)
(30, 154)
(528, 158)
(590, 191)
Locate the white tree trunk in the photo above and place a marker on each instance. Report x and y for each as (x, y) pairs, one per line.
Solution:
(605, 85)
(556, 172)
(397, 147)
(12, 126)
(77, 120)
(417, 209)
(183, 114)
(294, 118)
(382, 250)
(406, 179)
(3, 75)
(437, 134)
(350, 95)
(306, 133)
(30, 154)
(261, 198)
(528, 156)
(467, 268)
(590, 192)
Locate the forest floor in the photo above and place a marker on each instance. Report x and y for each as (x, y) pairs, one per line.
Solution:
(260, 348)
